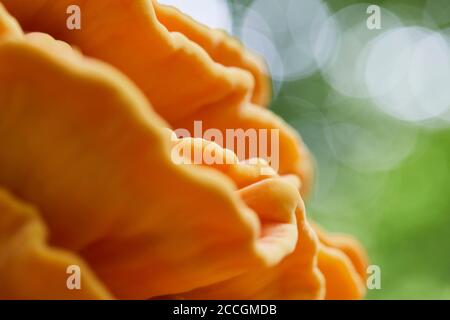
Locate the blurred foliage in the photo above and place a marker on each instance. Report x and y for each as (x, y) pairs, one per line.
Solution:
(401, 214)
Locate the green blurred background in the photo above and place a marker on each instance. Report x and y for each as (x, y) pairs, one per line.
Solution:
(373, 107)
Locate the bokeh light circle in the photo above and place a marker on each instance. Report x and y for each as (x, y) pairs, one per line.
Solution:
(365, 140)
(293, 29)
(346, 71)
(408, 71)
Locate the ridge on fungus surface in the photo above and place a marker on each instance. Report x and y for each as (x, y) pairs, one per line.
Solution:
(343, 261)
(107, 167)
(296, 277)
(220, 47)
(162, 60)
(118, 179)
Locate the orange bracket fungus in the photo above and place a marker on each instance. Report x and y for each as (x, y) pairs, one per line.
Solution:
(88, 177)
